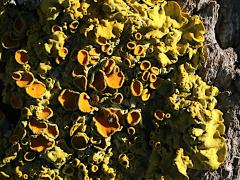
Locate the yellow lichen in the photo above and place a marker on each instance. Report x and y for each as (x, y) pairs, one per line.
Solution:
(124, 76)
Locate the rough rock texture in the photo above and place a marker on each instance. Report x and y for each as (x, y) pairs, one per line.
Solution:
(222, 21)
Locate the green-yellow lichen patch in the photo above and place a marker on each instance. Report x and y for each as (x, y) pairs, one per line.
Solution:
(183, 162)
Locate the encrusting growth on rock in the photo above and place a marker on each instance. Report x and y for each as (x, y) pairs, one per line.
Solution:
(107, 90)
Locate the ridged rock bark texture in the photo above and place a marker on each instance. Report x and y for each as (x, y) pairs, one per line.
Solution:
(222, 22)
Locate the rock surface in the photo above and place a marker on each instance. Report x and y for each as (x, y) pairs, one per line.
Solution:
(222, 69)
(222, 22)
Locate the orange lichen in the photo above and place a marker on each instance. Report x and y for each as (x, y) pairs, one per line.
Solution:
(79, 141)
(152, 77)
(159, 115)
(83, 57)
(145, 65)
(145, 95)
(106, 122)
(41, 143)
(45, 113)
(101, 40)
(154, 85)
(36, 125)
(81, 82)
(16, 76)
(74, 24)
(36, 89)
(52, 131)
(26, 80)
(68, 99)
(115, 79)
(84, 104)
(131, 130)
(95, 56)
(119, 114)
(99, 82)
(105, 47)
(94, 52)
(134, 117)
(138, 36)
(56, 28)
(127, 62)
(109, 66)
(118, 98)
(167, 115)
(145, 75)
(131, 45)
(136, 88)
(79, 70)
(21, 56)
(155, 70)
(62, 52)
(138, 50)
(59, 60)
